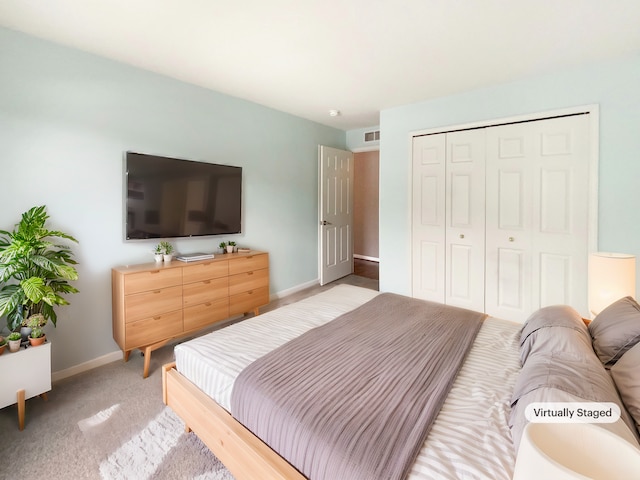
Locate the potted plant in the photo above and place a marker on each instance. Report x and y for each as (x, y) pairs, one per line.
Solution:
(14, 339)
(3, 345)
(167, 251)
(37, 337)
(35, 270)
(158, 253)
(223, 247)
(230, 247)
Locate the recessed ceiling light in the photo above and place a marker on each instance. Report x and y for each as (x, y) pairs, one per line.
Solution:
(334, 113)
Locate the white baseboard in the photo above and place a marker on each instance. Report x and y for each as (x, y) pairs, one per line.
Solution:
(86, 366)
(297, 288)
(365, 257)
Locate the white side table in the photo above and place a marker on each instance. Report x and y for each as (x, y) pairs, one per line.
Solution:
(24, 374)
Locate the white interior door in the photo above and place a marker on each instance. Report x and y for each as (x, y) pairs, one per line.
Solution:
(465, 219)
(428, 217)
(537, 216)
(335, 213)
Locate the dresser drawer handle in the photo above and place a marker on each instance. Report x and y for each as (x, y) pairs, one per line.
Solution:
(158, 317)
(207, 282)
(157, 291)
(153, 272)
(250, 292)
(249, 273)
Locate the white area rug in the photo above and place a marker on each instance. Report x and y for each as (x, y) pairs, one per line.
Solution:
(160, 449)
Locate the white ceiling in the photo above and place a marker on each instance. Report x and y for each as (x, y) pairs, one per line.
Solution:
(307, 57)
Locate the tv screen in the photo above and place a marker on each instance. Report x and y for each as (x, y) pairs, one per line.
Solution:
(169, 197)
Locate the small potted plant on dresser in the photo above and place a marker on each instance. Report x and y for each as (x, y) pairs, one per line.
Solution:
(158, 253)
(223, 247)
(230, 247)
(3, 345)
(14, 339)
(167, 251)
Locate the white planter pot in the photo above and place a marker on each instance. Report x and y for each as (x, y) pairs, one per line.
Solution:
(14, 345)
(167, 257)
(158, 257)
(229, 248)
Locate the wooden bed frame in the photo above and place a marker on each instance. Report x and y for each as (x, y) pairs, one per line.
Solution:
(245, 455)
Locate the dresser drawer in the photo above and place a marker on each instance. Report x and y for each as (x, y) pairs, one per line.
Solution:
(248, 301)
(199, 316)
(154, 302)
(248, 281)
(205, 291)
(248, 263)
(152, 280)
(153, 329)
(205, 271)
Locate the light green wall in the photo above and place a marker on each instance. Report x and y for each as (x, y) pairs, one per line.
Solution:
(614, 85)
(66, 118)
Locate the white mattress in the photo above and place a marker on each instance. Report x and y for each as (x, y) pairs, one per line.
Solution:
(470, 438)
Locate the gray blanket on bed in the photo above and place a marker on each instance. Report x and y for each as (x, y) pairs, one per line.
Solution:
(355, 398)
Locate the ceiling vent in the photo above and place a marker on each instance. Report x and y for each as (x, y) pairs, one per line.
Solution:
(372, 136)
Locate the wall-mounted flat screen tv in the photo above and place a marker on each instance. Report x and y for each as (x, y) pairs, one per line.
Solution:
(170, 197)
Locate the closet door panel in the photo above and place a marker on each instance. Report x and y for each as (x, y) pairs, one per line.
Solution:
(560, 216)
(465, 193)
(511, 280)
(537, 204)
(508, 221)
(428, 217)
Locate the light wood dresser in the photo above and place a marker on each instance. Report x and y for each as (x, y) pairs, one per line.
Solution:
(157, 302)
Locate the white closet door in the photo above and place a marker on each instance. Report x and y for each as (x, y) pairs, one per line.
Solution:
(537, 211)
(428, 222)
(465, 219)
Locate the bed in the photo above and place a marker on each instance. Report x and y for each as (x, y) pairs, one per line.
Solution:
(472, 435)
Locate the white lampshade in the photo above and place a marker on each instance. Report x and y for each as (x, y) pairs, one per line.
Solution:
(611, 277)
(563, 451)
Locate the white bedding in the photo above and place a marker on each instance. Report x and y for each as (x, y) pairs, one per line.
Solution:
(470, 438)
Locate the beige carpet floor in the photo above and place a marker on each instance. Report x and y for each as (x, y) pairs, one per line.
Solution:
(110, 423)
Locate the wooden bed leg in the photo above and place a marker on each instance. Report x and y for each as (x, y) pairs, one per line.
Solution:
(165, 368)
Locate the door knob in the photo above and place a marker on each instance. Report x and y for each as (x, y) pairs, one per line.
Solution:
(324, 222)
(462, 235)
(511, 239)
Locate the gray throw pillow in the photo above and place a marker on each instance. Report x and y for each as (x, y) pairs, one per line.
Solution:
(615, 330)
(557, 328)
(626, 375)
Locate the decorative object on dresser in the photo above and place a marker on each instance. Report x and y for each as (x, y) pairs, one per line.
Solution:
(157, 253)
(167, 250)
(231, 246)
(153, 304)
(223, 247)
